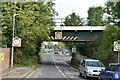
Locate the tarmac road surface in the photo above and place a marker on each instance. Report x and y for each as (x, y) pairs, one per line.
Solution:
(54, 67)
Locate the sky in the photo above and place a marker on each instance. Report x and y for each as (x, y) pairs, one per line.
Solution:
(66, 7)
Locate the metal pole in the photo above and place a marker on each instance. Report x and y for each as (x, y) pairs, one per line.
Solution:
(12, 40)
(118, 56)
(118, 46)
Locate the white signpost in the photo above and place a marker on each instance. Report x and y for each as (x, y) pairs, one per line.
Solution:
(117, 47)
(16, 42)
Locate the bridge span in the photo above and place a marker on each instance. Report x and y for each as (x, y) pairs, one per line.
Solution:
(76, 33)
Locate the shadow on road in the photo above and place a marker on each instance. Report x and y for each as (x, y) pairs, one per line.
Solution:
(56, 63)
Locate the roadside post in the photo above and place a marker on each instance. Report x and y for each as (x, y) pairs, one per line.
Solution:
(74, 49)
(11, 64)
(117, 48)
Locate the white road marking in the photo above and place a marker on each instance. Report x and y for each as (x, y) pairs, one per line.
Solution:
(60, 71)
(58, 68)
(63, 74)
(71, 76)
(71, 67)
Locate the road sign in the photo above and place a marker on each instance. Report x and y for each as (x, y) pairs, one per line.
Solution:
(116, 46)
(16, 42)
(1, 56)
(58, 35)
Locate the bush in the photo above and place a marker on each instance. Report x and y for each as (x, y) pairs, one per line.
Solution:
(28, 61)
(24, 60)
(17, 56)
(40, 58)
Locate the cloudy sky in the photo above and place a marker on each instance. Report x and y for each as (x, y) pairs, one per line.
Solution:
(66, 7)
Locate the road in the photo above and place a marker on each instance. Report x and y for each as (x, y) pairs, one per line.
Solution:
(55, 67)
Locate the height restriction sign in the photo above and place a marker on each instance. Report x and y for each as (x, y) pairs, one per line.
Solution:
(16, 42)
(58, 35)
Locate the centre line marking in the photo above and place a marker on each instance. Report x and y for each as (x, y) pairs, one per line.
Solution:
(58, 68)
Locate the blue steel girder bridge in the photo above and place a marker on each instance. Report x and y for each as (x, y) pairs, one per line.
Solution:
(76, 33)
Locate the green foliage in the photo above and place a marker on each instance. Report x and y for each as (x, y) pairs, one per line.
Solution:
(32, 25)
(106, 48)
(82, 48)
(95, 15)
(4, 42)
(73, 20)
(40, 57)
(101, 47)
(17, 57)
(28, 61)
(113, 10)
(61, 45)
(92, 47)
(69, 45)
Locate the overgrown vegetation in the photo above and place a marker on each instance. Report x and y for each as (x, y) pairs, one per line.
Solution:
(73, 20)
(32, 25)
(95, 16)
(101, 46)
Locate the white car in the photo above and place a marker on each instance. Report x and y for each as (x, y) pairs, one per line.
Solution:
(90, 68)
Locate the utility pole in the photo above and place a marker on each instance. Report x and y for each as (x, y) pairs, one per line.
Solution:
(12, 39)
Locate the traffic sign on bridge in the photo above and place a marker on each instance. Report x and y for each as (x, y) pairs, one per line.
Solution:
(58, 35)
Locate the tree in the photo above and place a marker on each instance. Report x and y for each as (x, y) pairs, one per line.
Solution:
(92, 47)
(33, 24)
(110, 35)
(61, 45)
(95, 16)
(101, 46)
(73, 20)
(113, 11)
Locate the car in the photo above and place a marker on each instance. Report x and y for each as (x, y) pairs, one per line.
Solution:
(111, 73)
(56, 51)
(90, 68)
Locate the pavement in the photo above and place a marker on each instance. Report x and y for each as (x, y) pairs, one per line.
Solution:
(18, 72)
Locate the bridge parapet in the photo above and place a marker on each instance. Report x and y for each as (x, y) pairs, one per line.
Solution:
(79, 28)
(76, 33)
